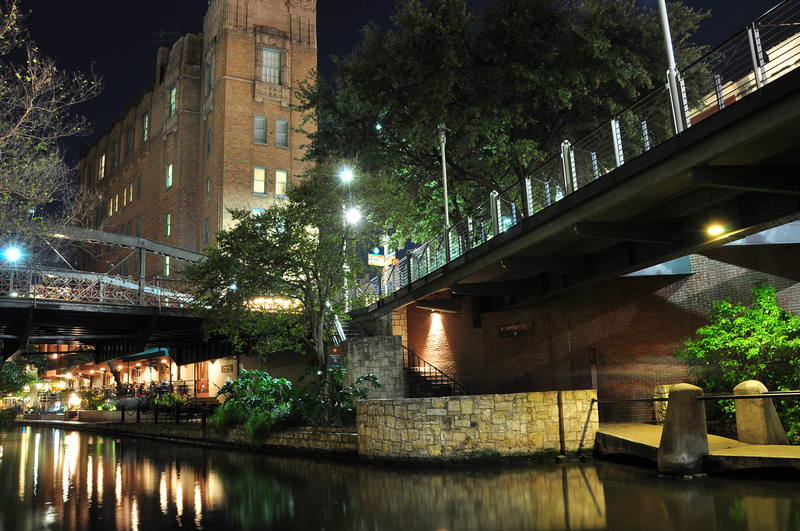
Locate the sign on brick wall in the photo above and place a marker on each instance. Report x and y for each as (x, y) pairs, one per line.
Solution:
(334, 357)
(515, 330)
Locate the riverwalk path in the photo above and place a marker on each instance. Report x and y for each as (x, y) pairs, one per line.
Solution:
(642, 440)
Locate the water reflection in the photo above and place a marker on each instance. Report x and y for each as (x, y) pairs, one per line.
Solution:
(72, 480)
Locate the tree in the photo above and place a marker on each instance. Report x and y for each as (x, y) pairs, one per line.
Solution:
(761, 343)
(511, 83)
(274, 280)
(36, 184)
(20, 371)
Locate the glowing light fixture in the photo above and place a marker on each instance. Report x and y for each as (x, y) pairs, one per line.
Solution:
(716, 229)
(12, 254)
(346, 175)
(353, 216)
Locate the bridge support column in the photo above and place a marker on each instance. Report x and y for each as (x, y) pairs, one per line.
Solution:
(684, 440)
(757, 421)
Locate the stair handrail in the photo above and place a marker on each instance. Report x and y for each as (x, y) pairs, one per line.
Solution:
(409, 355)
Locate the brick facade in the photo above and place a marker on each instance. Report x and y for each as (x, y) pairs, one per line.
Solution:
(208, 136)
(630, 325)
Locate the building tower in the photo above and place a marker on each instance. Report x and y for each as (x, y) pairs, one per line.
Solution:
(212, 131)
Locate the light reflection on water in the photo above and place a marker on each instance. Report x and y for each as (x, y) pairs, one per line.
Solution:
(74, 480)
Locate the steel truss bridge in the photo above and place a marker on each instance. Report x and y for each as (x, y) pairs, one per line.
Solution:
(115, 315)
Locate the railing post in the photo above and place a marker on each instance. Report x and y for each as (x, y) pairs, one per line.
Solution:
(447, 244)
(155, 413)
(409, 254)
(568, 167)
(177, 413)
(645, 136)
(616, 136)
(718, 91)
(138, 414)
(757, 55)
(495, 216)
(122, 414)
(595, 167)
(529, 196)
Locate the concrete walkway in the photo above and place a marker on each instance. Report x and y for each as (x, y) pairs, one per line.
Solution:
(642, 440)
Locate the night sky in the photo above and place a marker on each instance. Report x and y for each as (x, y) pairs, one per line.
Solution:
(119, 39)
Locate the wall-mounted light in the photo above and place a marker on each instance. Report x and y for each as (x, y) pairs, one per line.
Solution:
(715, 229)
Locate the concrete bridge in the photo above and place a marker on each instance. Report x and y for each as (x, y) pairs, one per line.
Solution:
(636, 193)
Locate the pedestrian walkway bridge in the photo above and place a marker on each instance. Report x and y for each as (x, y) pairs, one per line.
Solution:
(638, 192)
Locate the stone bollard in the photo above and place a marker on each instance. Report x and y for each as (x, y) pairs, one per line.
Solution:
(660, 406)
(756, 419)
(684, 440)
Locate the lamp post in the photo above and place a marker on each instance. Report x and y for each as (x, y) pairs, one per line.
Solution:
(675, 92)
(442, 130)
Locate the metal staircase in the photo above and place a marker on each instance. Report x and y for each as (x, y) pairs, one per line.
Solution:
(425, 380)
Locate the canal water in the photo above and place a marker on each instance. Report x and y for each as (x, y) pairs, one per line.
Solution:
(61, 479)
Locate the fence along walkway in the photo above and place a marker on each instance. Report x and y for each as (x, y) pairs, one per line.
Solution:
(86, 287)
(768, 49)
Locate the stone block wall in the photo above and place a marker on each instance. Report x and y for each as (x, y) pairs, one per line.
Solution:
(382, 356)
(475, 427)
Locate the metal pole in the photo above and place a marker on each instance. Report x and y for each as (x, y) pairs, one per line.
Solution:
(442, 140)
(672, 73)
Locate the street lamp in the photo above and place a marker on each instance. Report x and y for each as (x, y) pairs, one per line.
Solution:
(442, 130)
(353, 215)
(12, 254)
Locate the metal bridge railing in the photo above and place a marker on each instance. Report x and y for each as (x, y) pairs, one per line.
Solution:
(768, 49)
(81, 286)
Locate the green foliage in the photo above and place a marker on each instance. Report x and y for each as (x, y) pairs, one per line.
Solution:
(326, 401)
(169, 400)
(263, 403)
(92, 399)
(761, 343)
(273, 280)
(511, 83)
(6, 416)
(227, 415)
(20, 371)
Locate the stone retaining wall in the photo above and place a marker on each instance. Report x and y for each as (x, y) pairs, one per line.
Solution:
(474, 427)
(381, 356)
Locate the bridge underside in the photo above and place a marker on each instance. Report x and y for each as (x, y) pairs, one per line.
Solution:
(112, 331)
(739, 167)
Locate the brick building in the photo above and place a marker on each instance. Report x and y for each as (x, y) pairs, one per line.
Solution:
(212, 131)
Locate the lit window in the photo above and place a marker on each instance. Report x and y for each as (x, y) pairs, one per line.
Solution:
(102, 165)
(125, 197)
(173, 92)
(271, 67)
(169, 175)
(168, 225)
(166, 266)
(281, 182)
(111, 207)
(130, 192)
(145, 126)
(259, 180)
(116, 202)
(281, 133)
(259, 130)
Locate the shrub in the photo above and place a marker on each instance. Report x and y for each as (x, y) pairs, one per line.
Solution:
(328, 402)
(6, 416)
(757, 343)
(227, 415)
